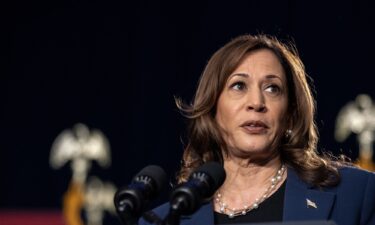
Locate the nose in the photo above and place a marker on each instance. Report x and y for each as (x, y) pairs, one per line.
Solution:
(256, 102)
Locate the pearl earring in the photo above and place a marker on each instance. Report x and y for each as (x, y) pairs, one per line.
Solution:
(288, 133)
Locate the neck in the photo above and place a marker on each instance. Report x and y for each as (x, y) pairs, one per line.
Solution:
(245, 174)
(246, 181)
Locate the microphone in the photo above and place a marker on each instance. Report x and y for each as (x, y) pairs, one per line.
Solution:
(132, 200)
(201, 185)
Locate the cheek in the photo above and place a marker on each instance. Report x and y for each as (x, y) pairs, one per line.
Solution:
(279, 112)
(225, 118)
(282, 117)
(221, 113)
(221, 118)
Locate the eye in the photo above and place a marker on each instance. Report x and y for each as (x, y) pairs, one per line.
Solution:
(273, 88)
(239, 86)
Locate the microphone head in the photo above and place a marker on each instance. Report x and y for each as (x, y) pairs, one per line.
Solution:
(215, 171)
(132, 200)
(201, 185)
(157, 174)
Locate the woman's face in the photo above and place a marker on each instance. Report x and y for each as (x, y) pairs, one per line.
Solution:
(251, 109)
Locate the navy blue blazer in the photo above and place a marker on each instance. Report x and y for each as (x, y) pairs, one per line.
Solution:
(352, 202)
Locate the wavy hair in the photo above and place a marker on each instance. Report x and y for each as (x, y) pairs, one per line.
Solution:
(299, 150)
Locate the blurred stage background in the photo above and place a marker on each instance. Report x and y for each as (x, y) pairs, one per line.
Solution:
(116, 65)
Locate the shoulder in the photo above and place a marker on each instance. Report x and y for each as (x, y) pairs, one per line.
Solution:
(353, 175)
(357, 187)
(356, 183)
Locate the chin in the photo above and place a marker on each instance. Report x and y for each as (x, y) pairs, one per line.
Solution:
(251, 150)
(256, 149)
(255, 146)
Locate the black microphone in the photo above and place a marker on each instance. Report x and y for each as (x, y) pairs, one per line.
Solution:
(201, 185)
(132, 200)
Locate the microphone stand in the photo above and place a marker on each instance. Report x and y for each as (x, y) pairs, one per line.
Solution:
(126, 218)
(173, 217)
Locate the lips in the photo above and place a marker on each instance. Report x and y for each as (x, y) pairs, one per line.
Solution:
(255, 127)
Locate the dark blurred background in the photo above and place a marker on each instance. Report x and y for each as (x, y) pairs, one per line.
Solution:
(117, 65)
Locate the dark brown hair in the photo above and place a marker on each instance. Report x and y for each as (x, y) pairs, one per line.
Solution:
(205, 142)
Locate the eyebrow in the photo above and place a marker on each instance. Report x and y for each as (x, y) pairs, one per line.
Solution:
(273, 76)
(269, 76)
(239, 74)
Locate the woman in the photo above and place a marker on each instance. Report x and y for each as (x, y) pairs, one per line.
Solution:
(254, 112)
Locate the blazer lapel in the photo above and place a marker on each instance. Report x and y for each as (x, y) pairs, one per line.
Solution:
(302, 202)
(204, 216)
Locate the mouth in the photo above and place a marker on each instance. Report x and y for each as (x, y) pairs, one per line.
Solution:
(255, 127)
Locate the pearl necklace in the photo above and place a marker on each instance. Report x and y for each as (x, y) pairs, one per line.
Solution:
(233, 212)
